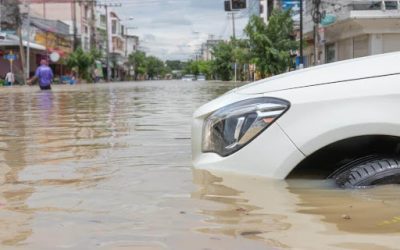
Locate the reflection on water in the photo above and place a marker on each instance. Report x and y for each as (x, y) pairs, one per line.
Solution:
(108, 166)
(374, 210)
(300, 214)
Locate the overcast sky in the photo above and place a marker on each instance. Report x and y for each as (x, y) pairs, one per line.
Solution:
(175, 29)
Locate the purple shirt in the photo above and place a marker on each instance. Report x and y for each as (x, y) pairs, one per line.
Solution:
(45, 75)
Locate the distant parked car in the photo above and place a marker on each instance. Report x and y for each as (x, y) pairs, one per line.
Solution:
(201, 78)
(188, 78)
(338, 121)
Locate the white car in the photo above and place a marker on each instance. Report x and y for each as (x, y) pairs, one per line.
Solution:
(188, 78)
(339, 121)
(201, 78)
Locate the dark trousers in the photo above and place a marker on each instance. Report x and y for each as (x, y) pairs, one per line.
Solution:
(45, 87)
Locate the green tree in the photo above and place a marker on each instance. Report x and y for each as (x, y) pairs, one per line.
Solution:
(82, 61)
(223, 60)
(199, 68)
(242, 57)
(138, 61)
(174, 64)
(155, 67)
(192, 67)
(205, 68)
(270, 45)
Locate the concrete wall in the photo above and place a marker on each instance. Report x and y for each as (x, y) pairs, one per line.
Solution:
(364, 45)
(63, 12)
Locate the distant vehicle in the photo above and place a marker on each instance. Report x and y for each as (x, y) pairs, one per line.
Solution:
(338, 121)
(201, 78)
(188, 78)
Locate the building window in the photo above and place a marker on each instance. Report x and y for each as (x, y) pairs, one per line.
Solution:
(114, 27)
(103, 20)
(330, 52)
(360, 46)
(86, 43)
(85, 13)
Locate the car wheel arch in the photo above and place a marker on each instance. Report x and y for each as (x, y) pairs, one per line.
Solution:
(325, 159)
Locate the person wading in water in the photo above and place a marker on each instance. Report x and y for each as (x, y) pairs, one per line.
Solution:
(44, 74)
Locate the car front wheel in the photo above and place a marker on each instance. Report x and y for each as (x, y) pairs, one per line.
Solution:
(368, 171)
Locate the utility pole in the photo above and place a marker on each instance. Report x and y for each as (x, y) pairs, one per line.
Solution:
(1, 8)
(233, 25)
(234, 40)
(74, 28)
(93, 39)
(301, 63)
(106, 5)
(317, 17)
(28, 47)
(44, 9)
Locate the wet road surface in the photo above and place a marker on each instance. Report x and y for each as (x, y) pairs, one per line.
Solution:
(108, 166)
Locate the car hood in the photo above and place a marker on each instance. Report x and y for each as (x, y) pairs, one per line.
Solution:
(365, 67)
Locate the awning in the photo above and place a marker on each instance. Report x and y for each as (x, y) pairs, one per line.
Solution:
(13, 43)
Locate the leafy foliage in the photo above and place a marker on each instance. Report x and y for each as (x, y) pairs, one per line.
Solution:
(223, 59)
(199, 68)
(82, 61)
(143, 65)
(138, 61)
(155, 67)
(174, 64)
(270, 45)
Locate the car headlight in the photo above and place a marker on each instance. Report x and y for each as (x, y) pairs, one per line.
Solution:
(232, 127)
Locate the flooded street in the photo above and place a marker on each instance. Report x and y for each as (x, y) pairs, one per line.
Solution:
(108, 166)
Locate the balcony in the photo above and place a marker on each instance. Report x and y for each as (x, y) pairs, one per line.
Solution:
(370, 9)
(357, 12)
(118, 46)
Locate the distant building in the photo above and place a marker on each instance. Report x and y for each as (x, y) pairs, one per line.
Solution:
(132, 44)
(44, 38)
(101, 40)
(266, 7)
(206, 49)
(117, 47)
(77, 14)
(353, 29)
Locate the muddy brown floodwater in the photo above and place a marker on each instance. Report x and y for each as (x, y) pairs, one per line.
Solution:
(108, 166)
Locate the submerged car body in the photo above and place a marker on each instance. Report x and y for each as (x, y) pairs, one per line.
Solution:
(299, 120)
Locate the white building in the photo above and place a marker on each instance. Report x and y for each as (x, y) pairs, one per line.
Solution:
(78, 15)
(356, 29)
(207, 47)
(266, 8)
(132, 44)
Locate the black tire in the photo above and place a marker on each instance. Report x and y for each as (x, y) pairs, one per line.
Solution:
(368, 171)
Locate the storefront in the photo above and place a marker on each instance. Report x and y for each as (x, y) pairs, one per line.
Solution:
(10, 45)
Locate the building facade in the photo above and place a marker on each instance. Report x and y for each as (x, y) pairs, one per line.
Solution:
(352, 29)
(78, 15)
(207, 47)
(40, 38)
(132, 44)
(266, 7)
